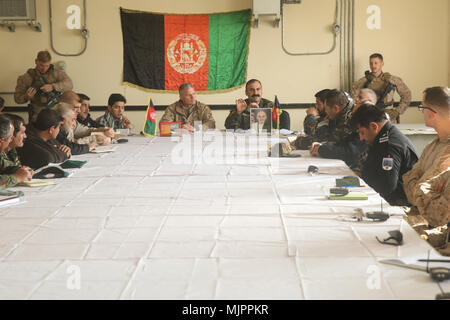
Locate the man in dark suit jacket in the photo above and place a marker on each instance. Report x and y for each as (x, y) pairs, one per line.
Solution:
(41, 147)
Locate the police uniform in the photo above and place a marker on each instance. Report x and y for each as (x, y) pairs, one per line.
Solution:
(242, 121)
(389, 157)
(385, 86)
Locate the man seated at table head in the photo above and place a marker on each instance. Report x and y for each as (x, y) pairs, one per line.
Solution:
(65, 135)
(239, 117)
(427, 184)
(390, 154)
(11, 170)
(84, 117)
(189, 110)
(113, 117)
(41, 147)
(82, 133)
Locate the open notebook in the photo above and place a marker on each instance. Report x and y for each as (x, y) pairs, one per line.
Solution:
(36, 183)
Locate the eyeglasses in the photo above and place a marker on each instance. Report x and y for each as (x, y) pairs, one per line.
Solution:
(421, 107)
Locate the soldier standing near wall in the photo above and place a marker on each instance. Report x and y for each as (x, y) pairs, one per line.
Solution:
(41, 86)
(384, 84)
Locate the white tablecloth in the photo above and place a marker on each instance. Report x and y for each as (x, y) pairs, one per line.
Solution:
(225, 223)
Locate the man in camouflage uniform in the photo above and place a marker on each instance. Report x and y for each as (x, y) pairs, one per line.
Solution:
(342, 142)
(350, 148)
(384, 85)
(427, 184)
(315, 124)
(11, 171)
(316, 115)
(239, 117)
(188, 110)
(41, 86)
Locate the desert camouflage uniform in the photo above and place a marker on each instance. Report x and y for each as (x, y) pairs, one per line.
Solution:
(432, 168)
(379, 85)
(199, 112)
(32, 78)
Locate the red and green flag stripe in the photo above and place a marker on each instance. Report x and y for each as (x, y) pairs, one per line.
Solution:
(163, 51)
(149, 129)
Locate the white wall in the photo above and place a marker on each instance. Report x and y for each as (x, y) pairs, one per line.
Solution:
(414, 38)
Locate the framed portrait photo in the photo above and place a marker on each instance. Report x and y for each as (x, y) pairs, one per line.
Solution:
(261, 120)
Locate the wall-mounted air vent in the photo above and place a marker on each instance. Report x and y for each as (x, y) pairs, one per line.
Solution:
(17, 10)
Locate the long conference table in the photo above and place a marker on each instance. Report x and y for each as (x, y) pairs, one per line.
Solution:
(204, 216)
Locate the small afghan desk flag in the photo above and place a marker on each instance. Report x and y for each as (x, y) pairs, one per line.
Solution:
(150, 121)
(276, 111)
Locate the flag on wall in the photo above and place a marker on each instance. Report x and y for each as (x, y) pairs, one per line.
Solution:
(163, 51)
(149, 129)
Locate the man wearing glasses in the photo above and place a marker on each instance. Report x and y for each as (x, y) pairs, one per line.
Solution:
(427, 185)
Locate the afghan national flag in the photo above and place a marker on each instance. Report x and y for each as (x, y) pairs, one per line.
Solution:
(150, 121)
(164, 51)
(276, 111)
